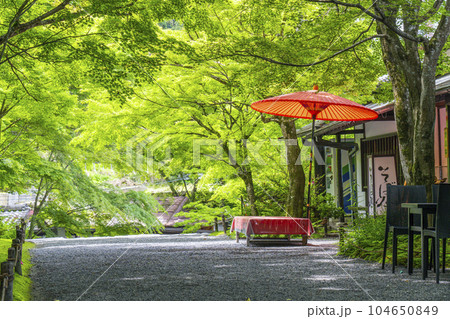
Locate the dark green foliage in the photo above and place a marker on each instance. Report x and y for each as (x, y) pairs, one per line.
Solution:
(324, 206)
(365, 240)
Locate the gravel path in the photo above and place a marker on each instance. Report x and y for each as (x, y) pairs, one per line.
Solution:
(201, 267)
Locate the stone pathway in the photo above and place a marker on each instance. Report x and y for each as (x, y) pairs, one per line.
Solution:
(201, 267)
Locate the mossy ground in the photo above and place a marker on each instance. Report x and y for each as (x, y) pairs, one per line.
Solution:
(22, 284)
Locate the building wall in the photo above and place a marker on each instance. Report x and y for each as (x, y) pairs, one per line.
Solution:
(377, 128)
(14, 199)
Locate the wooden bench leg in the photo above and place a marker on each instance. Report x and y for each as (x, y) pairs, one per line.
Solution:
(248, 240)
(304, 240)
(288, 237)
(237, 236)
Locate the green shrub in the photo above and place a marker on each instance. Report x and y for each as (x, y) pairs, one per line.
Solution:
(324, 206)
(366, 238)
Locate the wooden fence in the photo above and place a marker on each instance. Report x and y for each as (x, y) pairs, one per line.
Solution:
(13, 264)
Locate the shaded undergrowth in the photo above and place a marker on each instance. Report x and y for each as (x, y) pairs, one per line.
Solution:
(366, 238)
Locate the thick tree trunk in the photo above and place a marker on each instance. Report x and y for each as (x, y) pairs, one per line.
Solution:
(413, 83)
(296, 194)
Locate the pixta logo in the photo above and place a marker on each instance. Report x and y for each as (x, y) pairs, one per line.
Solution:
(146, 152)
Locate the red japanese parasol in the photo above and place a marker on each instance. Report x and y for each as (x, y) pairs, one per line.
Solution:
(314, 105)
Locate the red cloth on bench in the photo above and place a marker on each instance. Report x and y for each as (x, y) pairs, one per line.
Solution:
(273, 225)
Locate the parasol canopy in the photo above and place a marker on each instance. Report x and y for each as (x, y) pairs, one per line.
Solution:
(324, 106)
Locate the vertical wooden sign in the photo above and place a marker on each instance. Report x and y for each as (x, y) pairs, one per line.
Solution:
(384, 172)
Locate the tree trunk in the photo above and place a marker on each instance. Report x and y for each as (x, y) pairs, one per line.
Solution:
(296, 194)
(245, 174)
(167, 179)
(194, 190)
(413, 83)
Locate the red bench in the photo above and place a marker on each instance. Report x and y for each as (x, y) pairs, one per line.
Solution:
(272, 225)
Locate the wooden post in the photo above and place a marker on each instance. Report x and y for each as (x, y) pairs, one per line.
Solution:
(340, 192)
(17, 245)
(242, 205)
(216, 224)
(4, 279)
(18, 231)
(224, 223)
(23, 226)
(304, 240)
(7, 276)
(12, 253)
(9, 288)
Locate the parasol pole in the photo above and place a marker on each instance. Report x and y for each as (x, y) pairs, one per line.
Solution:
(308, 204)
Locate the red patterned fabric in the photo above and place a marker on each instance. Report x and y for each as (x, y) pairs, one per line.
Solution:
(265, 225)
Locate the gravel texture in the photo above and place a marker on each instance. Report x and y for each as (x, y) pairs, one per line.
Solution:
(201, 267)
